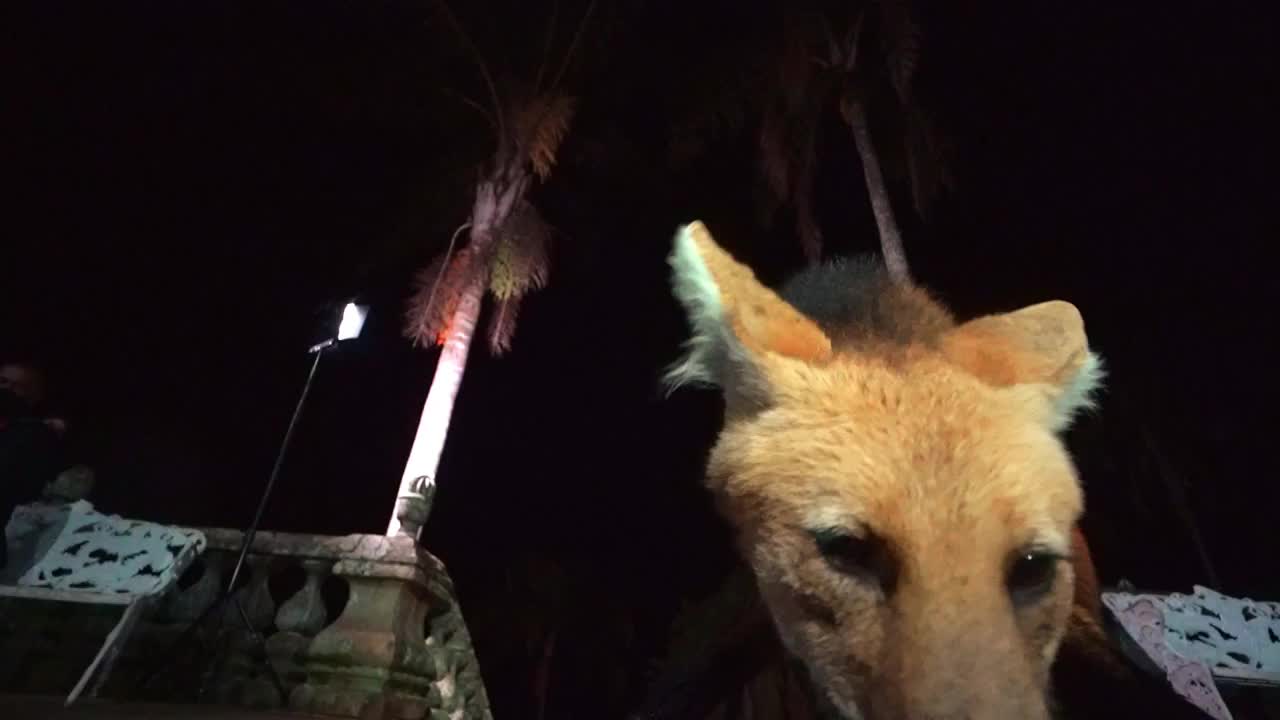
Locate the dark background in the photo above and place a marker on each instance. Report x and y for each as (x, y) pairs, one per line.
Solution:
(190, 184)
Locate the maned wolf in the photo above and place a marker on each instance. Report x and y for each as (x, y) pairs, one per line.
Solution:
(895, 479)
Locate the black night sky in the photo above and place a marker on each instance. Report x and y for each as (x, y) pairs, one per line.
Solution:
(191, 183)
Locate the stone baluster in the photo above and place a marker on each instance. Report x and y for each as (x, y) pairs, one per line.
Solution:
(242, 676)
(184, 606)
(297, 622)
(254, 596)
(305, 613)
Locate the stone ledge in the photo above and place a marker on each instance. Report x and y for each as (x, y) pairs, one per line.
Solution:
(358, 554)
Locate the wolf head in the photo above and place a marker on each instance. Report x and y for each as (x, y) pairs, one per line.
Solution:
(895, 479)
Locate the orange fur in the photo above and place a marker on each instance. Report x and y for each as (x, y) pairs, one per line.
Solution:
(937, 449)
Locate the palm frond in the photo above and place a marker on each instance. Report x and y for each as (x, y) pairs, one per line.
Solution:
(928, 159)
(421, 314)
(481, 66)
(807, 227)
(567, 60)
(541, 126)
(546, 44)
(775, 157)
(502, 325)
(436, 294)
(787, 146)
(766, 205)
(796, 72)
(900, 40)
(521, 261)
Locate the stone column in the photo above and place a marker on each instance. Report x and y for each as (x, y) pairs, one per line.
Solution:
(241, 678)
(374, 662)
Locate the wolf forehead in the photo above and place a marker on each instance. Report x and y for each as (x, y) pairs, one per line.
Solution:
(900, 484)
(887, 445)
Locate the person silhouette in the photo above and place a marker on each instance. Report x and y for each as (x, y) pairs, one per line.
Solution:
(31, 444)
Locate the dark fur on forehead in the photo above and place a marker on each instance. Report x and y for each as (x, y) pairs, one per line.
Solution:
(860, 307)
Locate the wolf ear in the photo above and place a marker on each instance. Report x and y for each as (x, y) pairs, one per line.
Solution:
(736, 321)
(1042, 345)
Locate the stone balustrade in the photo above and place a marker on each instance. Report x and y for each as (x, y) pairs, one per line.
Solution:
(354, 626)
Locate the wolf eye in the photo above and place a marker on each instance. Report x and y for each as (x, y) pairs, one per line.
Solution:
(866, 557)
(1031, 574)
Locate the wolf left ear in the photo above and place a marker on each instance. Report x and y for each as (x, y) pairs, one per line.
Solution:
(1042, 345)
(737, 322)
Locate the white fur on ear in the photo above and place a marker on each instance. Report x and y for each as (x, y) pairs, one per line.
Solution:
(696, 290)
(1079, 393)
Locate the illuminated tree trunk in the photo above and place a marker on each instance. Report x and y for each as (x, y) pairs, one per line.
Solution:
(895, 258)
(495, 199)
(417, 484)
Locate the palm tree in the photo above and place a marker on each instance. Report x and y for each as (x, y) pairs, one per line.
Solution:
(505, 253)
(828, 55)
(824, 59)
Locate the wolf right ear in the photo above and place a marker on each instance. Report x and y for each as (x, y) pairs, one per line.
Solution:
(737, 322)
(1042, 346)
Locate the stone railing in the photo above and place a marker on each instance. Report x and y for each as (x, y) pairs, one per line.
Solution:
(354, 626)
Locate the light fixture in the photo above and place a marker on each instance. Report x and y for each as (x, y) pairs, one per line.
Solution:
(350, 323)
(353, 316)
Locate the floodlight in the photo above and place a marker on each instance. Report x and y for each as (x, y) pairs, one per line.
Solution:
(353, 316)
(349, 325)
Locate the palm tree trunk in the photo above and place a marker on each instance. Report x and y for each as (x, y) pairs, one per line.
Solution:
(895, 258)
(496, 197)
(417, 484)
